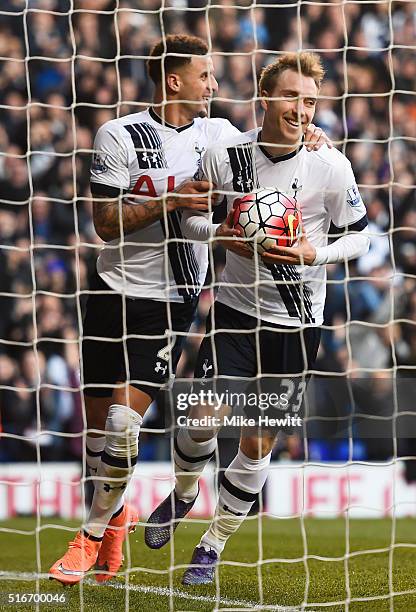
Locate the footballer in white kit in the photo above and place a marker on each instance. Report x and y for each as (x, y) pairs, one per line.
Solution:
(261, 298)
(266, 317)
(146, 287)
(323, 185)
(153, 266)
(141, 155)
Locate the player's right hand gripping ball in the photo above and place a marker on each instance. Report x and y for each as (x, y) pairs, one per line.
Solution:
(269, 218)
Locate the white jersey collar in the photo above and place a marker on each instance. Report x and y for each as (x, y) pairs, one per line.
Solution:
(278, 158)
(163, 123)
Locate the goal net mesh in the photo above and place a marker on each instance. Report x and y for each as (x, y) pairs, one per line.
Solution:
(67, 67)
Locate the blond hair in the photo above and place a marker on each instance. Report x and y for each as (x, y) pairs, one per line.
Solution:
(308, 64)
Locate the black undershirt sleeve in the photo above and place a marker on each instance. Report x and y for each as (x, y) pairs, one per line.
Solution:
(98, 189)
(358, 226)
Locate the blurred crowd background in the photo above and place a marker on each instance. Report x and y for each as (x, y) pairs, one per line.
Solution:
(63, 75)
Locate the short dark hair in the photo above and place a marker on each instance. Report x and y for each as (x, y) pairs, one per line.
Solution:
(177, 51)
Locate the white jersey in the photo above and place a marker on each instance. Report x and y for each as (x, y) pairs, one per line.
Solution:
(323, 184)
(138, 154)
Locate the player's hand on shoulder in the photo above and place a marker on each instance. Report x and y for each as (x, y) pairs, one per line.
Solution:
(230, 238)
(315, 138)
(194, 195)
(303, 254)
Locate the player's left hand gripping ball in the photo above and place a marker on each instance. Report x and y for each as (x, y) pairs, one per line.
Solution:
(304, 254)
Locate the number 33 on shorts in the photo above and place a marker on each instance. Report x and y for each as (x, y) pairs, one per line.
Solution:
(294, 391)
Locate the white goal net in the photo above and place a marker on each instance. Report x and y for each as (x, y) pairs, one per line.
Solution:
(66, 68)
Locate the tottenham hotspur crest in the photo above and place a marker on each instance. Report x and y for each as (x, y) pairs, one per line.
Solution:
(206, 367)
(199, 151)
(296, 186)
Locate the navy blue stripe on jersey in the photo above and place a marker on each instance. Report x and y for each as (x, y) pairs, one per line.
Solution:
(182, 259)
(300, 293)
(295, 294)
(154, 136)
(189, 252)
(148, 146)
(357, 226)
(241, 160)
(283, 290)
(303, 293)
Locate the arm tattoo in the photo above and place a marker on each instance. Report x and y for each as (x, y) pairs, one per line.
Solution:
(106, 215)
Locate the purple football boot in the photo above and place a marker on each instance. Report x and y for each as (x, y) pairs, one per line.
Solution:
(202, 567)
(162, 523)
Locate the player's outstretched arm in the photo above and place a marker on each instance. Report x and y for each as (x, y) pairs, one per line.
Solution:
(347, 247)
(114, 218)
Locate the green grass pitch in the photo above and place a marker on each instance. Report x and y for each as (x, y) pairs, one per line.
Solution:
(154, 586)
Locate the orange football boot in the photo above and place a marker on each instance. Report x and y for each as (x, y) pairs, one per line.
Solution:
(79, 558)
(110, 556)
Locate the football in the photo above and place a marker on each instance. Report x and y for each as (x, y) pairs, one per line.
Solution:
(268, 217)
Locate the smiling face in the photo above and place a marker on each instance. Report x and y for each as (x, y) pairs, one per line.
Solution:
(288, 117)
(194, 82)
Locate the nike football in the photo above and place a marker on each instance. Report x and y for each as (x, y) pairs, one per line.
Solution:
(269, 218)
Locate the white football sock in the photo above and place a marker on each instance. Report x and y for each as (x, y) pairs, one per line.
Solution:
(190, 457)
(94, 448)
(243, 480)
(116, 467)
